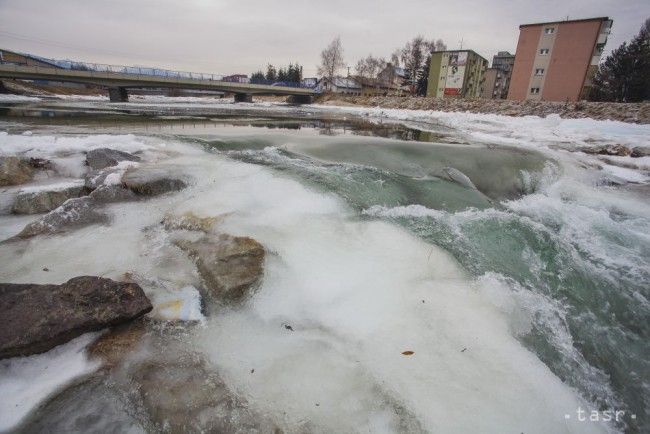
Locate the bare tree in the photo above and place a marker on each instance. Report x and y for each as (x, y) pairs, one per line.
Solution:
(362, 68)
(412, 56)
(331, 59)
(439, 45)
(394, 58)
(370, 66)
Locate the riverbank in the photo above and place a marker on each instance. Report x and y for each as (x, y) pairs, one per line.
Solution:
(638, 113)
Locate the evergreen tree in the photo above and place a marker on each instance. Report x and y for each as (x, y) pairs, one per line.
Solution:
(257, 77)
(423, 77)
(625, 75)
(271, 73)
(282, 75)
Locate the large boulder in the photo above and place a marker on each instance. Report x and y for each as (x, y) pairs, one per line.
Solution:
(111, 194)
(15, 171)
(151, 181)
(183, 395)
(229, 266)
(36, 318)
(75, 212)
(41, 201)
(640, 151)
(101, 158)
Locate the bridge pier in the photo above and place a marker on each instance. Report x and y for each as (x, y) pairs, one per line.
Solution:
(243, 97)
(118, 94)
(300, 99)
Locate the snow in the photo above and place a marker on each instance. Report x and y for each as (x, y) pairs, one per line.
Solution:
(17, 98)
(25, 381)
(58, 186)
(626, 175)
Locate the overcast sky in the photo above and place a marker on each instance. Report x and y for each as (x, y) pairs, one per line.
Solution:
(241, 36)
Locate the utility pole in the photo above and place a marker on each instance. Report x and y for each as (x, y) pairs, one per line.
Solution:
(348, 72)
(461, 42)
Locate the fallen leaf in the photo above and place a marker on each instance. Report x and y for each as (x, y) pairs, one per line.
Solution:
(407, 353)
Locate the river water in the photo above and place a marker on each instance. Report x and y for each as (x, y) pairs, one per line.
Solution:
(515, 268)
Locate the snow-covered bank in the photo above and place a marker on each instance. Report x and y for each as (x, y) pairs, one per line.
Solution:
(627, 112)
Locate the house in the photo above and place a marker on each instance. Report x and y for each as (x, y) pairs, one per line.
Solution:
(339, 85)
(375, 86)
(237, 78)
(309, 82)
(393, 76)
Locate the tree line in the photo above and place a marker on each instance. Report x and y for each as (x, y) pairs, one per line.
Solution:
(624, 76)
(414, 57)
(291, 73)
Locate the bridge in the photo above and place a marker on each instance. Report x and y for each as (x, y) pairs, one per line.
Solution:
(118, 79)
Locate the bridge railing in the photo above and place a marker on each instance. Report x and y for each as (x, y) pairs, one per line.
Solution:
(146, 71)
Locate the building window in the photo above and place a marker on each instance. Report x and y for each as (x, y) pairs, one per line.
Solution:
(549, 30)
(539, 71)
(534, 90)
(543, 51)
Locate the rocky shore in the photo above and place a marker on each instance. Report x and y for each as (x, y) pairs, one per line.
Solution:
(173, 389)
(626, 112)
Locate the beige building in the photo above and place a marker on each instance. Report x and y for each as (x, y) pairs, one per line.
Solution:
(456, 74)
(555, 61)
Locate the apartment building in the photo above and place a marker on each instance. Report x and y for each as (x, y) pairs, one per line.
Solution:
(556, 61)
(497, 77)
(456, 74)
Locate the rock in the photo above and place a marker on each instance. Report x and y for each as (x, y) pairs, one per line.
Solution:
(190, 222)
(96, 178)
(76, 212)
(619, 150)
(640, 151)
(101, 158)
(40, 163)
(182, 395)
(91, 405)
(614, 150)
(38, 202)
(111, 194)
(114, 346)
(15, 171)
(36, 318)
(151, 181)
(229, 266)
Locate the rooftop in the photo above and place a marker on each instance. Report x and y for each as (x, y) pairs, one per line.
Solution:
(565, 21)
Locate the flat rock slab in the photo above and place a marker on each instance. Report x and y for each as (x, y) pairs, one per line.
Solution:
(36, 318)
(38, 202)
(151, 181)
(75, 212)
(101, 158)
(15, 171)
(185, 396)
(230, 266)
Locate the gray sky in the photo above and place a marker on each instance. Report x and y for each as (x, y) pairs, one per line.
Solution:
(240, 36)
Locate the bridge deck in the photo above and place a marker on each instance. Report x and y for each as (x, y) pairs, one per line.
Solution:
(134, 80)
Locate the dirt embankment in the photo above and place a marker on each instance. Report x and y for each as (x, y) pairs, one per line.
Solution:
(627, 112)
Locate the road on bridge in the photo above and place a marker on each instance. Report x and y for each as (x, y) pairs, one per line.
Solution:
(118, 82)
